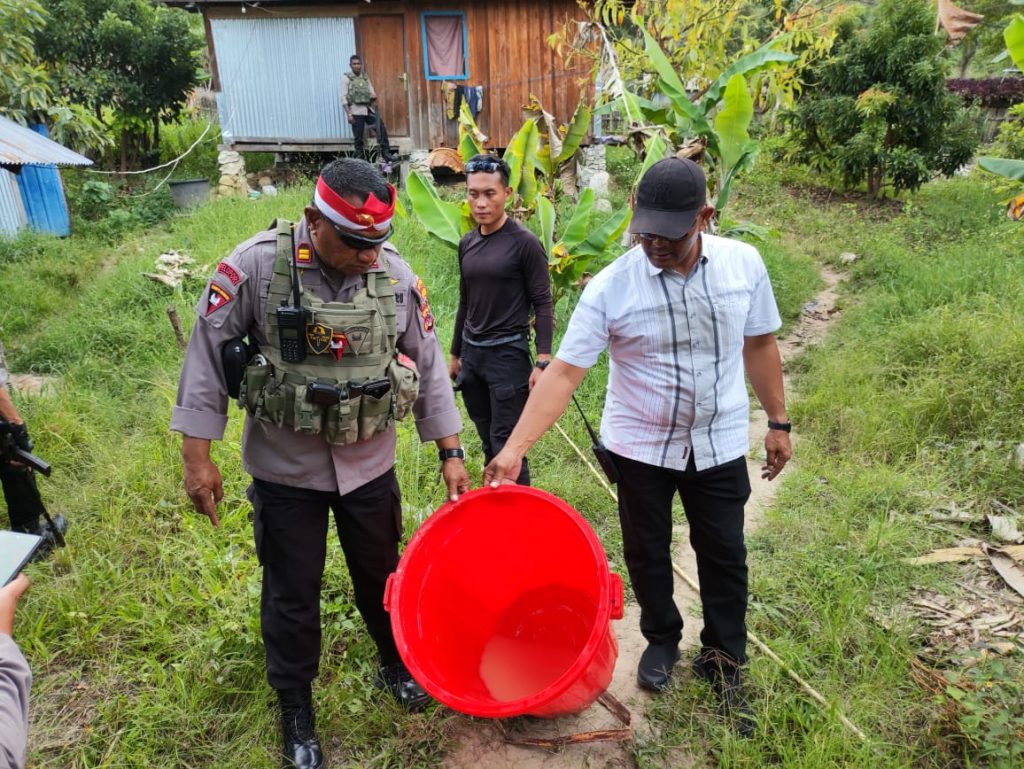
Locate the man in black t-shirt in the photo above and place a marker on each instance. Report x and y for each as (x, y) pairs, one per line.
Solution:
(503, 272)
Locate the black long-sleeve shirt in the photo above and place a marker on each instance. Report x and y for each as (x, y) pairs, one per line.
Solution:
(501, 276)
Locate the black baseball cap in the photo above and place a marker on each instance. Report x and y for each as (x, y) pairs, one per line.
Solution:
(668, 198)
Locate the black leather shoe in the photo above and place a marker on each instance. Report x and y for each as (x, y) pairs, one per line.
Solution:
(723, 673)
(301, 748)
(398, 680)
(655, 670)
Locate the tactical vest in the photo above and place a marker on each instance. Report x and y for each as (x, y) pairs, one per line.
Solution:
(349, 345)
(359, 89)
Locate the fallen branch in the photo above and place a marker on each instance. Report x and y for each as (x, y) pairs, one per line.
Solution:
(553, 743)
(172, 314)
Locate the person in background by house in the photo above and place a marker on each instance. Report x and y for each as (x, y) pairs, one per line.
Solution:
(359, 101)
(24, 505)
(503, 273)
(682, 314)
(15, 681)
(322, 396)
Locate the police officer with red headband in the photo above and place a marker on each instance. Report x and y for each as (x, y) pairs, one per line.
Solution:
(338, 345)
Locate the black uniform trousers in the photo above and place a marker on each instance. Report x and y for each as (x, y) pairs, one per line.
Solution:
(375, 122)
(290, 528)
(495, 385)
(22, 496)
(713, 500)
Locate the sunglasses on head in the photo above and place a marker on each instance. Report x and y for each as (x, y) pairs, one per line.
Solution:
(487, 166)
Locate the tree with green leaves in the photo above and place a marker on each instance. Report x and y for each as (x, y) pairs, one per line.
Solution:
(27, 94)
(1011, 168)
(878, 111)
(132, 62)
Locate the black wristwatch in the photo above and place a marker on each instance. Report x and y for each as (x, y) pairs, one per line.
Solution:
(542, 364)
(784, 426)
(458, 453)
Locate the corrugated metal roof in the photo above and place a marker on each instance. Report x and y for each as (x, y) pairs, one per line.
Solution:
(21, 146)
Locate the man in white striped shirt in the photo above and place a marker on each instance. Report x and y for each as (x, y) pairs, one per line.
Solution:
(682, 315)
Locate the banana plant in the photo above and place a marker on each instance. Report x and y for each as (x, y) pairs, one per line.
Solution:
(720, 117)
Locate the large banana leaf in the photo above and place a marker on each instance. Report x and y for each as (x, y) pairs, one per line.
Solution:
(517, 150)
(743, 163)
(575, 231)
(528, 187)
(732, 122)
(469, 134)
(1011, 169)
(441, 219)
(670, 85)
(598, 241)
(1014, 36)
(577, 130)
(546, 220)
(765, 56)
(549, 140)
(654, 151)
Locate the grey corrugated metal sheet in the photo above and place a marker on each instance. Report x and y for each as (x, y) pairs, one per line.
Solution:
(281, 78)
(12, 213)
(22, 146)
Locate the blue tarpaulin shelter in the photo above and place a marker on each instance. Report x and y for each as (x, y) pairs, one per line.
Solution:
(31, 193)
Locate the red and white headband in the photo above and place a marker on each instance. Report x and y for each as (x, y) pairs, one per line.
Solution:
(373, 215)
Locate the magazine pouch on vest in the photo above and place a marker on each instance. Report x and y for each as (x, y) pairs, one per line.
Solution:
(359, 89)
(351, 384)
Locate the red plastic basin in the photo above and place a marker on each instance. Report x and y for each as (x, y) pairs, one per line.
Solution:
(501, 604)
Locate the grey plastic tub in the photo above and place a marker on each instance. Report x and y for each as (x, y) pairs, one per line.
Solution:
(190, 192)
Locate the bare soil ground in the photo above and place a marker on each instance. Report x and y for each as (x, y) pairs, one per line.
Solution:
(483, 742)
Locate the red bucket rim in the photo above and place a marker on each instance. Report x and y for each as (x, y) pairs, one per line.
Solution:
(561, 684)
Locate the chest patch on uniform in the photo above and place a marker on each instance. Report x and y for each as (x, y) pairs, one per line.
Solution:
(356, 337)
(339, 343)
(218, 297)
(318, 337)
(230, 273)
(304, 254)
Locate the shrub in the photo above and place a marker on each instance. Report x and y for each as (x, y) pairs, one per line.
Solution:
(878, 111)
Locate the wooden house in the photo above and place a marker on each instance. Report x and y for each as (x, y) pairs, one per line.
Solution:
(277, 67)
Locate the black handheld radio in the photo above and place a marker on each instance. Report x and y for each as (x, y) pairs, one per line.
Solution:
(291, 323)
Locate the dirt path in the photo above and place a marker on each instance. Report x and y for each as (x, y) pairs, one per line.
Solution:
(481, 742)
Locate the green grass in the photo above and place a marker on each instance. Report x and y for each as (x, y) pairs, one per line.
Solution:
(143, 633)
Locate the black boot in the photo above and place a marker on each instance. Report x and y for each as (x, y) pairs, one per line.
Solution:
(42, 529)
(655, 669)
(397, 679)
(723, 673)
(298, 729)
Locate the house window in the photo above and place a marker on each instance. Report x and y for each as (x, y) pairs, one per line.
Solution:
(445, 46)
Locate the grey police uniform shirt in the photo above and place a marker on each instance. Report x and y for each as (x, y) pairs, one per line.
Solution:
(236, 306)
(15, 683)
(355, 109)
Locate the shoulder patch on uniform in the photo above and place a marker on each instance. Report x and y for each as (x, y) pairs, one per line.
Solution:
(426, 314)
(216, 298)
(304, 253)
(230, 272)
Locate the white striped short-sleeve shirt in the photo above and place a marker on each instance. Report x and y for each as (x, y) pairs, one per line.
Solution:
(675, 381)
